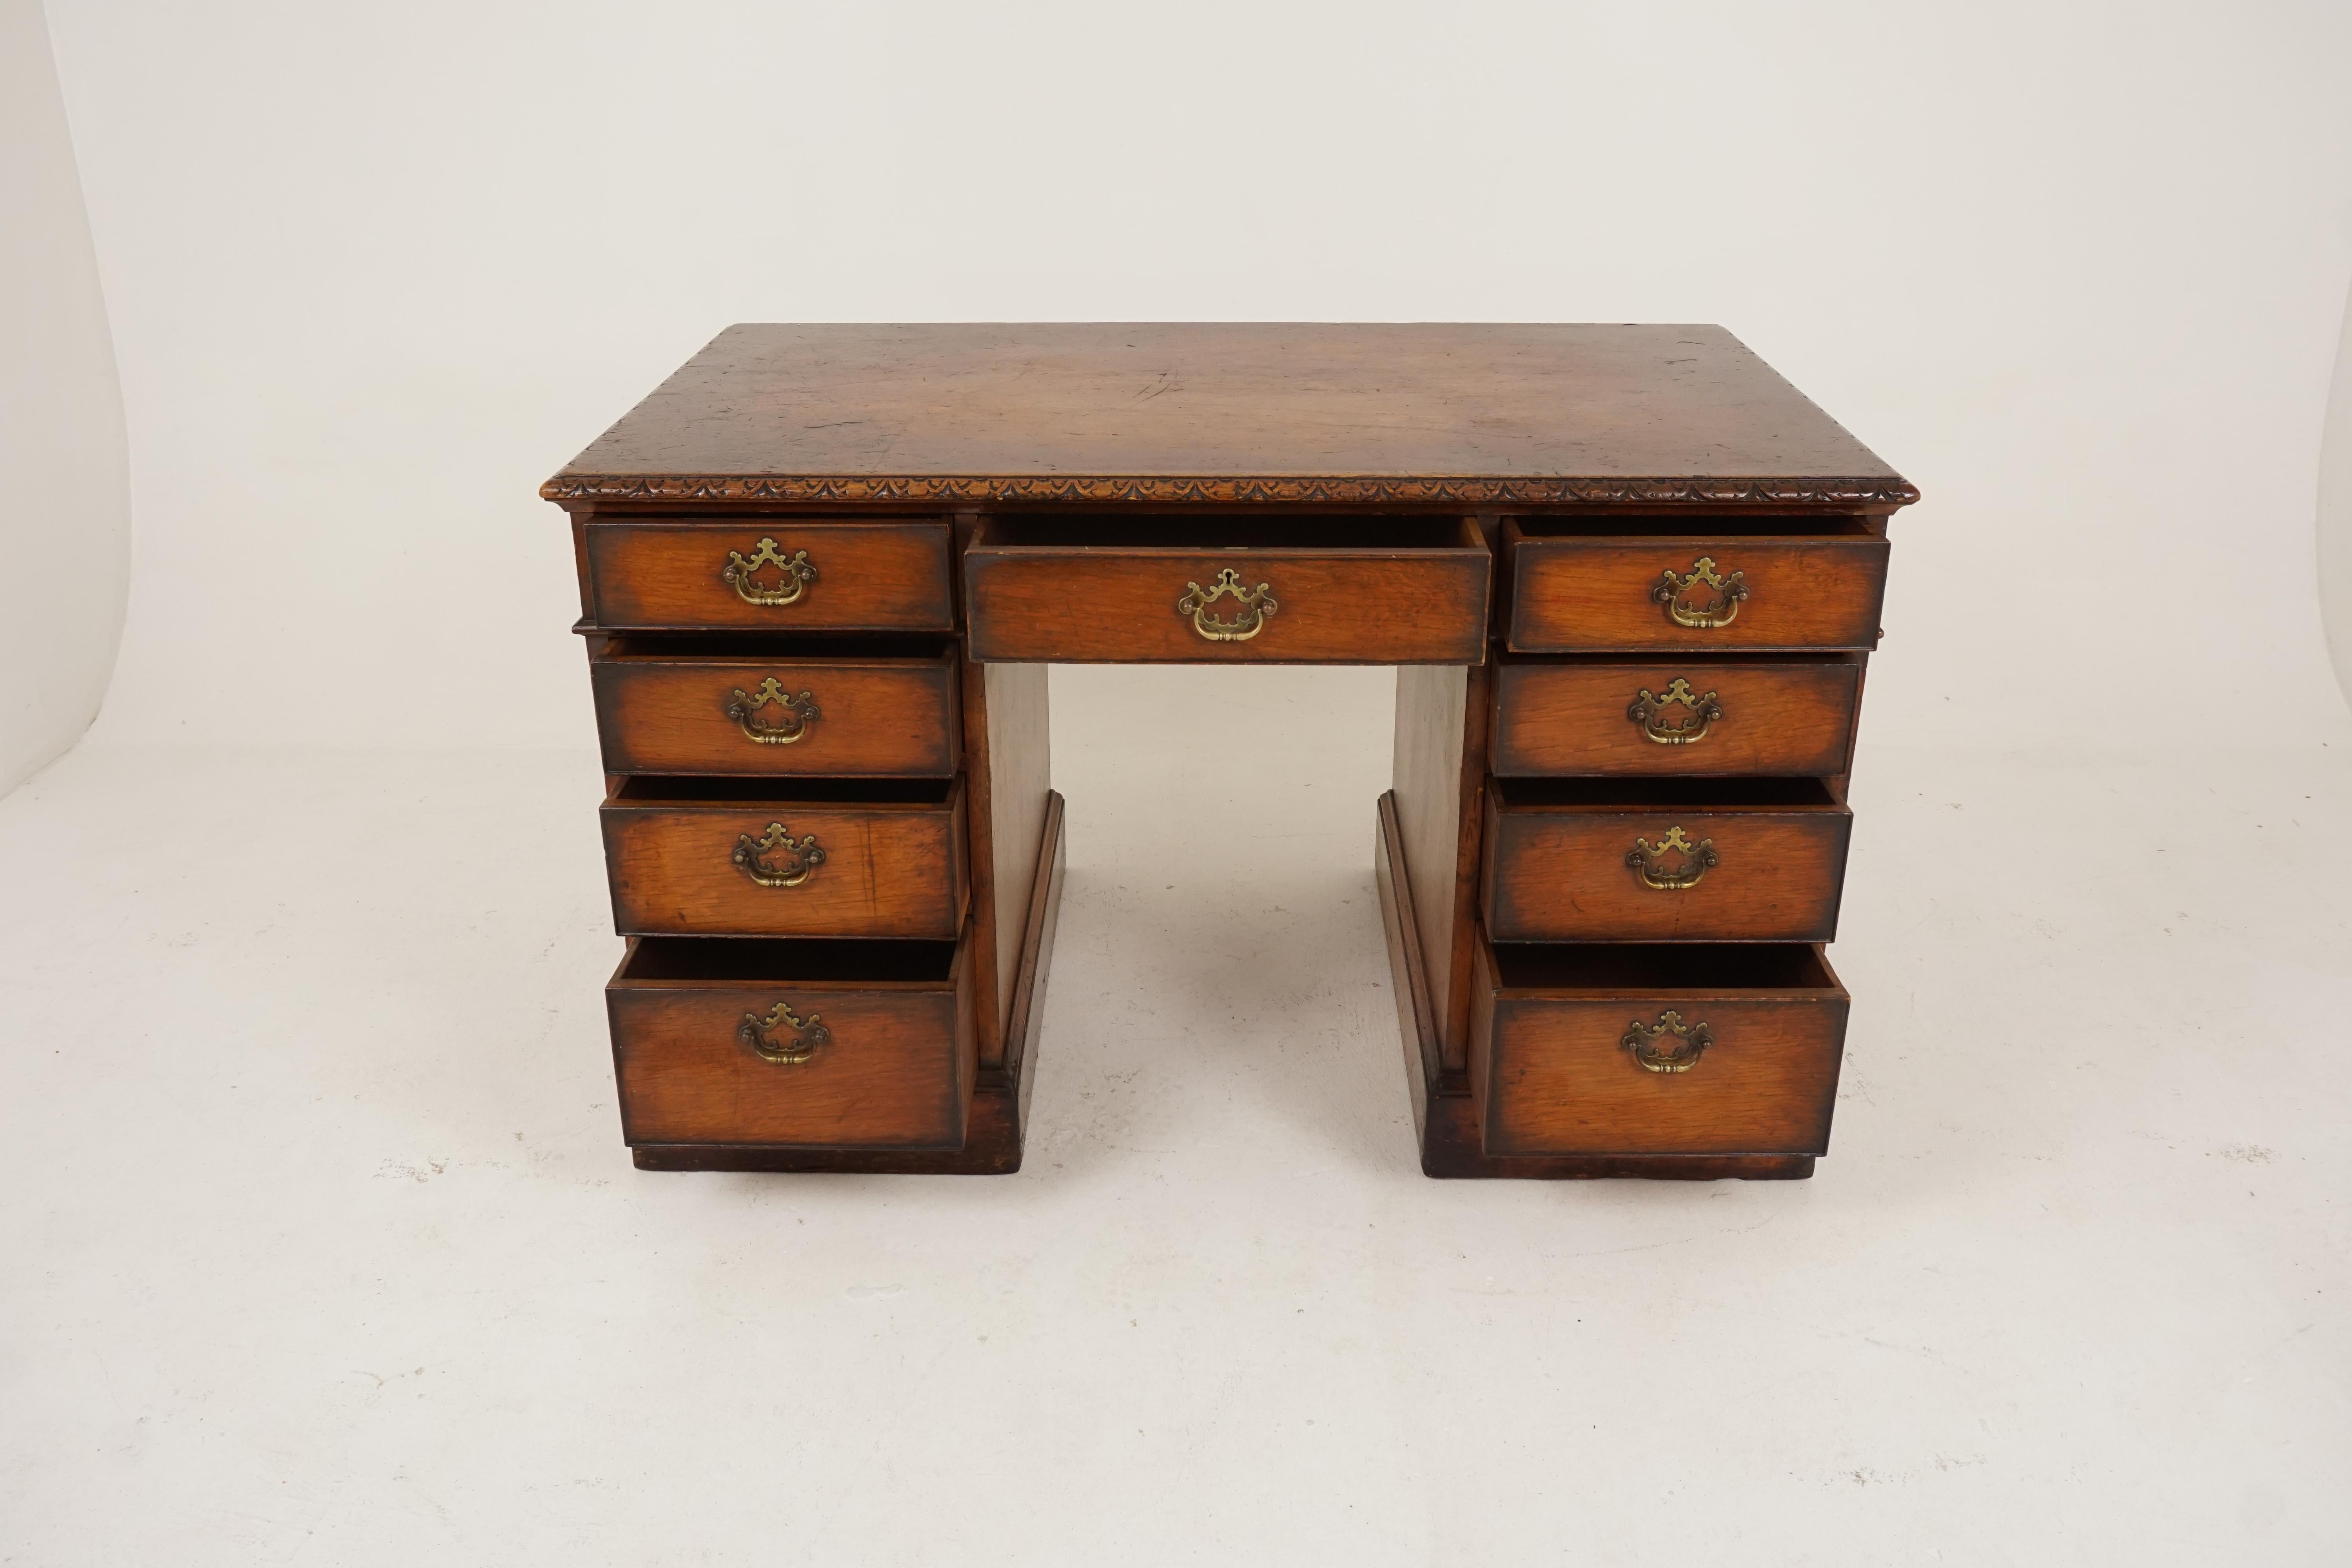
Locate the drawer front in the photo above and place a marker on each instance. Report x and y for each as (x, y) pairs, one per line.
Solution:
(785, 869)
(1727, 1074)
(840, 718)
(769, 574)
(1045, 605)
(1677, 873)
(819, 1065)
(1740, 717)
(1694, 594)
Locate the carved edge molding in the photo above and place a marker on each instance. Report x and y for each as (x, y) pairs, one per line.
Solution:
(1710, 490)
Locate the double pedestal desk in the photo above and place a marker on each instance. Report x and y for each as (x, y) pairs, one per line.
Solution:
(1630, 579)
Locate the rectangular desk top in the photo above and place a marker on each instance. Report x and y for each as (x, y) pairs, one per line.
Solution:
(1230, 412)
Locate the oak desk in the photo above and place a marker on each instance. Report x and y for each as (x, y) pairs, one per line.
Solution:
(1631, 580)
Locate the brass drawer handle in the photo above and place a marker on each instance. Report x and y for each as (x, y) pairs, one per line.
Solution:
(798, 713)
(744, 575)
(1649, 711)
(760, 1035)
(1690, 1043)
(1719, 607)
(1690, 862)
(799, 858)
(1256, 604)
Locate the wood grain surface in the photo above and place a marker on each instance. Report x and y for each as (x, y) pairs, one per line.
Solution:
(896, 1073)
(1570, 594)
(649, 574)
(1779, 716)
(1551, 1076)
(1222, 411)
(658, 713)
(890, 868)
(1559, 873)
(1120, 606)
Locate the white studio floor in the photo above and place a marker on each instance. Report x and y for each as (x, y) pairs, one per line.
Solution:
(321, 1245)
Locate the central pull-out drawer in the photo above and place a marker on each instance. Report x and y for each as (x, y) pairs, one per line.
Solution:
(1664, 859)
(1575, 585)
(1654, 1050)
(786, 858)
(836, 1045)
(1753, 715)
(856, 708)
(769, 573)
(1092, 589)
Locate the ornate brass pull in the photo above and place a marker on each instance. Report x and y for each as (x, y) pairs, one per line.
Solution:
(1256, 604)
(1649, 711)
(1690, 1043)
(744, 575)
(760, 1035)
(1719, 607)
(797, 858)
(1689, 863)
(798, 713)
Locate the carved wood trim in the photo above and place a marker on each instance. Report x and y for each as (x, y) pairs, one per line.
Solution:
(1346, 489)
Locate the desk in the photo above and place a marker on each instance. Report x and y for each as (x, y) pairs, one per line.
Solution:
(1630, 579)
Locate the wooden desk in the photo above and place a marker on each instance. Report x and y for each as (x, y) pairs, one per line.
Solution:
(1631, 580)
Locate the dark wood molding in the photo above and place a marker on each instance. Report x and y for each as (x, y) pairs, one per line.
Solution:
(1355, 489)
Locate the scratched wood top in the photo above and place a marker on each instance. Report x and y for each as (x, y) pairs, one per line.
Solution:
(1229, 412)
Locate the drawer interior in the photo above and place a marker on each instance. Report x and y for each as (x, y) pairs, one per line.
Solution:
(753, 645)
(775, 790)
(1228, 530)
(800, 960)
(1629, 524)
(1614, 967)
(1637, 794)
(1730, 660)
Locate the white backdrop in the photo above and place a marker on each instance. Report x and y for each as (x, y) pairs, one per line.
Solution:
(337, 1256)
(2336, 513)
(2078, 271)
(65, 501)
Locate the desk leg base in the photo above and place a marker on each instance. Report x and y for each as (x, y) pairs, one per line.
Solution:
(1444, 1117)
(1000, 1095)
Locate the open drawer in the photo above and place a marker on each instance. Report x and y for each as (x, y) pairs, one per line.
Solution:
(835, 1044)
(1665, 1049)
(1091, 588)
(1603, 584)
(715, 856)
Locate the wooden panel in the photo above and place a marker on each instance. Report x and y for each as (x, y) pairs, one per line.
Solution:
(1571, 593)
(1551, 1077)
(1225, 411)
(1087, 605)
(1408, 971)
(896, 1072)
(1560, 873)
(1574, 717)
(873, 717)
(1438, 784)
(868, 576)
(1035, 965)
(1009, 754)
(889, 868)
